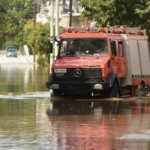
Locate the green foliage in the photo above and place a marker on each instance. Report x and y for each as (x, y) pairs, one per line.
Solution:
(37, 38)
(117, 12)
(30, 51)
(12, 14)
(41, 60)
(9, 43)
(20, 38)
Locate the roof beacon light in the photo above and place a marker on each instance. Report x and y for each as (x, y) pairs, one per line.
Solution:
(69, 30)
(102, 30)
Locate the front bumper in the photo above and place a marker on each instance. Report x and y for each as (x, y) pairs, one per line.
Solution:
(11, 55)
(65, 86)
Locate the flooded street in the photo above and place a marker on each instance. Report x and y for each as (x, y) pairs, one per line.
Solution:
(28, 123)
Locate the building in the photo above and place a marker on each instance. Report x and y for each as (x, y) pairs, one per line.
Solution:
(45, 12)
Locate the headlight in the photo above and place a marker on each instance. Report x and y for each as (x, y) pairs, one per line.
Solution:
(98, 86)
(55, 86)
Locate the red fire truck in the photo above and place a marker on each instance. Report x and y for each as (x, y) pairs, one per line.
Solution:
(104, 62)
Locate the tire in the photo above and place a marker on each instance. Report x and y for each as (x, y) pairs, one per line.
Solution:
(141, 90)
(114, 105)
(54, 104)
(56, 93)
(140, 94)
(54, 107)
(114, 92)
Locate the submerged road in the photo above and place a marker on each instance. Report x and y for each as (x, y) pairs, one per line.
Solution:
(28, 119)
(20, 59)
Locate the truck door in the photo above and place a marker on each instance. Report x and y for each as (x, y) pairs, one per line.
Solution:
(113, 58)
(121, 59)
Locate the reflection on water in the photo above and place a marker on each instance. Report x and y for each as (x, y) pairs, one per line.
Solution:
(22, 78)
(23, 119)
(28, 122)
(98, 128)
(23, 123)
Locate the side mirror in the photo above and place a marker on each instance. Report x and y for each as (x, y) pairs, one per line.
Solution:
(50, 47)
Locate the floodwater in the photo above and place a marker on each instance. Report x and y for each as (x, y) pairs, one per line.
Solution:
(28, 122)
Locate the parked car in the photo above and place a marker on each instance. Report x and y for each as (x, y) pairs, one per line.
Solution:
(11, 52)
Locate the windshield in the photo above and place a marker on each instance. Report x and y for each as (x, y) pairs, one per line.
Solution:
(11, 50)
(84, 47)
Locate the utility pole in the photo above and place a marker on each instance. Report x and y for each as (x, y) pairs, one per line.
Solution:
(52, 18)
(34, 56)
(51, 29)
(70, 17)
(34, 14)
(34, 19)
(57, 25)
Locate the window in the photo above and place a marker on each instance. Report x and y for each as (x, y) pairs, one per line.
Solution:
(120, 49)
(63, 48)
(113, 48)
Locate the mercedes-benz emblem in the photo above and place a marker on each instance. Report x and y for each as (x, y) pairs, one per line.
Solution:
(77, 73)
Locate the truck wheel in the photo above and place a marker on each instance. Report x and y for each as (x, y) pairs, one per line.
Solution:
(56, 103)
(54, 107)
(114, 92)
(141, 89)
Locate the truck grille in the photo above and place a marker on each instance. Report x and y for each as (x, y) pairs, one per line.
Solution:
(79, 75)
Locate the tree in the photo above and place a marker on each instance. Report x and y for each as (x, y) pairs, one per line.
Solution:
(114, 12)
(37, 39)
(12, 14)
